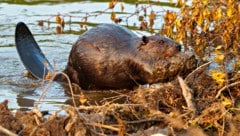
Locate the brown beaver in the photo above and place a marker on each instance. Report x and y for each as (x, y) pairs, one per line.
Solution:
(112, 57)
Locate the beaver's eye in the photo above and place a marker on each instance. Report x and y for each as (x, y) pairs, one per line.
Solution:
(161, 41)
(145, 40)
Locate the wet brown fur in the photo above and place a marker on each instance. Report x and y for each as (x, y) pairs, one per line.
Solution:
(112, 57)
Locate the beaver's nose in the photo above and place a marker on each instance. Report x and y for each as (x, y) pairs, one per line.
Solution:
(179, 47)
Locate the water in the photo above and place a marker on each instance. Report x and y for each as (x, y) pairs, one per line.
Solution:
(21, 91)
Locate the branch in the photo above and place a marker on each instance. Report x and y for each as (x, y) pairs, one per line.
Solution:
(6, 131)
(104, 126)
(225, 87)
(198, 68)
(187, 94)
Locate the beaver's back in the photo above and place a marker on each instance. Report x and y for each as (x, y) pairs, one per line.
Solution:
(109, 36)
(97, 59)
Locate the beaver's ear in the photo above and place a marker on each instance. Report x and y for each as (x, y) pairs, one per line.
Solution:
(145, 39)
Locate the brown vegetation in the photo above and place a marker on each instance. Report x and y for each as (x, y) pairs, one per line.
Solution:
(181, 107)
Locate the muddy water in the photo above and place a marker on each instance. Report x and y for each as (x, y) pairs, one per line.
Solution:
(23, 92)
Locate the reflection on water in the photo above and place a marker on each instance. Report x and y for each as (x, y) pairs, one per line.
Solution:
(21, 91)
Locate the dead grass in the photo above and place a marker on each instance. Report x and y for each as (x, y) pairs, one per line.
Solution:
(191, 106)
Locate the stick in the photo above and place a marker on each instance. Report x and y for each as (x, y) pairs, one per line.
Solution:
(104, 126)
(225, 87)
(187, 94)
(92, 107)
(203, 65)
(6, 131)
(50, 83)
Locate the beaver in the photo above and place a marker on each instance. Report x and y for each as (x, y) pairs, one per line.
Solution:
(110, 56)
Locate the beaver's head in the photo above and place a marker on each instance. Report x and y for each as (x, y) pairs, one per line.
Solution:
(158, 46)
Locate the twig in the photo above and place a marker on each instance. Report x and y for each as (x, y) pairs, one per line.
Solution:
(94, 14)
(187, 94)
(198, 68)
(6, 131)
(50, 83)
(102, 106)
(144, 121)
(104, 126)
(225, 87)
(37, 115)
(70, 86)
(172, 131)
(223, 125)
(114, 98)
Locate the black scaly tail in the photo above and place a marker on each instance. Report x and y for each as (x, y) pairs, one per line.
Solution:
(30, 53)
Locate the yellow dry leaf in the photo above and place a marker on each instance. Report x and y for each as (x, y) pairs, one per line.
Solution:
(171, 15)
(171, 114)
(179, 2)
(234, 20)
(197, 41)
(113, 16)
(230, 26)
(151, 22)
(62, 23)
(230, 12)
(143, 25)
(58, 30)
(179, 38)
(220, 67)
(122, 7)
(205, 2)
(219, 55)
(195, 12)
(239, 8)
(218, 74)
(40, 22)
(200, 20)
(49, 75)
(219, 47)
(152, 15)
(178, 23)
(140, 18)
(219, 14)
(219, 58)
(206, 13)
(82, 98)
(81, 25)
(200, 47)
(111, 5)
(58, 19)
(219, 77)
(169, 31)
(226, 37)
(235, 46)
(237, 36)
(226, 101)
(230, 1)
